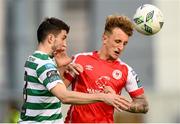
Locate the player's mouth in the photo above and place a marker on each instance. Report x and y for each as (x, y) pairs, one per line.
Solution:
(117, 52)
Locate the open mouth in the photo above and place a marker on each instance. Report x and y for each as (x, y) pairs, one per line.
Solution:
(117, 52)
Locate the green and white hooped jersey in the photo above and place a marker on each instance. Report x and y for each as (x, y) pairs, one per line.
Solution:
(40, 105)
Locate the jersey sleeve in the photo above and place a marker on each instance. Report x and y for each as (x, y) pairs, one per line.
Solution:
(133, 85)
(48, 75)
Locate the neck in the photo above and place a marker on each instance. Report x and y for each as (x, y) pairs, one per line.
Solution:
(42, 47)
(104, 55)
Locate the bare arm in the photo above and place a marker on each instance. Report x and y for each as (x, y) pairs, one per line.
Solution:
(139, 105)
(72, 97)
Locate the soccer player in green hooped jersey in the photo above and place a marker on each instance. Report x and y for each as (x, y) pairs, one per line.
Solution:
(44, 89)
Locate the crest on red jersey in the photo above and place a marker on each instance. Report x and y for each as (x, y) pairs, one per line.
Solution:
(102, 81)
(117, 74)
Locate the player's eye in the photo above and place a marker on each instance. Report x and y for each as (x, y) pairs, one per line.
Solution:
(118, 41)
(125, 43)
(64, 37)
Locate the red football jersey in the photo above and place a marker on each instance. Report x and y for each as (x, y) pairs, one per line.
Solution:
(98, 73)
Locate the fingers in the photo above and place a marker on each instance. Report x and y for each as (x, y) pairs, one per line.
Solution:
(76, 68)
(79, 68)
(108, 89)
(62, 58)
(117, 108)
(122, 103)
(118, 102)
(73, 69)
(125, 99)
(60, 52)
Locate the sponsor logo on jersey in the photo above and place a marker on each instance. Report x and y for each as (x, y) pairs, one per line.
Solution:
(91, 91)
(102, 81)
(31, 59)
(48, 66)
(52, 75)
(138, 82)
(117, 74)
(89, 67)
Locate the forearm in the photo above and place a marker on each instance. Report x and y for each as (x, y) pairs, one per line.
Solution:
(139, 105)
(138, 108)
(72, 97)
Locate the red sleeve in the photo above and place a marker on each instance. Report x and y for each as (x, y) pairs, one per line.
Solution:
(137, 92)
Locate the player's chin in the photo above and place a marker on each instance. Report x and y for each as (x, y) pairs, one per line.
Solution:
(115, 56)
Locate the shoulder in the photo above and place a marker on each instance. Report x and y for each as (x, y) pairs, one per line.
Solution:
(124, 65)
(82, 55)
(41, 61)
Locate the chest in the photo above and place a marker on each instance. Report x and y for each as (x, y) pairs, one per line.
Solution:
(99, 73)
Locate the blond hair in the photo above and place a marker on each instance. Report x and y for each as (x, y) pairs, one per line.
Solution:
(116, 21)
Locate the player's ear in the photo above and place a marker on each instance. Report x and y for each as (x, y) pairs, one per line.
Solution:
(104, 38)
(51, 38)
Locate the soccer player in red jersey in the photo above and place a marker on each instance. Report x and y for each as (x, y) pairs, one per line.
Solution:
(103, 68)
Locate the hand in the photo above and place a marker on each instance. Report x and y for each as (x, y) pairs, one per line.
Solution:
(61, 58)
(108, 89)
(119, 102)
(74, 68)
(139, 105)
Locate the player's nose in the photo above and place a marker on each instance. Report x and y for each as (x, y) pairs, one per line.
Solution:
(120, 47)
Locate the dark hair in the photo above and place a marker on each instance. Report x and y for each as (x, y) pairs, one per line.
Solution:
(51, 25)
(122, 22)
